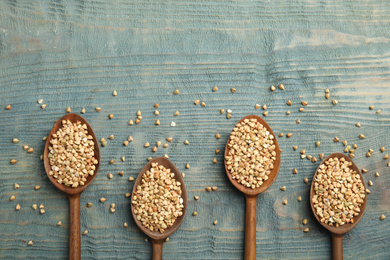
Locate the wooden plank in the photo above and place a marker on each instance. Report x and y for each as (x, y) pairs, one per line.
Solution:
(75, 53)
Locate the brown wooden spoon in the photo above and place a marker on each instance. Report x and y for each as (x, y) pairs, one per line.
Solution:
(157, 237)
(338, 232)
(73, 193)
(251, 194)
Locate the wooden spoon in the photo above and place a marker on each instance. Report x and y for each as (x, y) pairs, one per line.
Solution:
(251, 194)
(157, 237)
(73, 193)
(338, 232)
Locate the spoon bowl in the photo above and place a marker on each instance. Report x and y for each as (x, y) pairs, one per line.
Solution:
(72, 118)
(157, 237)
(73, 193)
(251, 194)
(338, 232)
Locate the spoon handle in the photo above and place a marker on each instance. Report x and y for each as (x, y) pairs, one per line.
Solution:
(74, 228)
(337, 245)
(157, 249)
(250, 228)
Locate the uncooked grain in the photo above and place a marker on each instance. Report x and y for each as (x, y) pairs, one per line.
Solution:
(251, 153)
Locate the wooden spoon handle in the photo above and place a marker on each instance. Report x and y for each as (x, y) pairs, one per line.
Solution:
(337, 245)
(250, 228)
(74, 227)
(157, 249)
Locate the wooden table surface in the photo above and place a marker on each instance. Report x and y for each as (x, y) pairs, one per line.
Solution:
(76, 53)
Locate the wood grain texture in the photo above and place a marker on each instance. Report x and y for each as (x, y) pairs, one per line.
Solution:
(74, 227)
(75, 53)
(250, 227)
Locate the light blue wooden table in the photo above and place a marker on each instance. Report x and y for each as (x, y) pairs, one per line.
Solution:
(76, 53)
